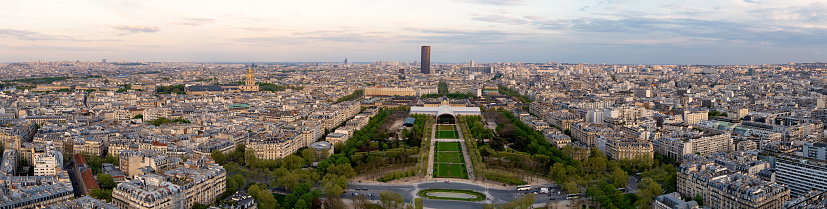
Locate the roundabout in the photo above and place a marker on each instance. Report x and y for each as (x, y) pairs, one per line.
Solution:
(451, 194)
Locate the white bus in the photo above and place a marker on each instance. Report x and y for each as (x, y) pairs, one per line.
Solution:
(523, 188)
(573, 196)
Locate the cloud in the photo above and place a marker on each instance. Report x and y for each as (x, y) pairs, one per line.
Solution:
(136, 28)
(38, 36)
(341, 36)
(502, 19)
(466, 36)
(27, 35)
(196, 21)
(661, 28)
(496, 2)
(60, 48)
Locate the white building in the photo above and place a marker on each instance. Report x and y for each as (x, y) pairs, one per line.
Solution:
(49, 162)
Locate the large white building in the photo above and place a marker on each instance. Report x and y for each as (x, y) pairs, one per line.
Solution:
(49, 162)
(691, 117)
(678, 144)
(801, 174)
(446, 110)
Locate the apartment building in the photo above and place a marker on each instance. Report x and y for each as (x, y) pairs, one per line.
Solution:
(588, 132)
(729, 181)
(148, 192)
(678, 144)
(619, 147)
(562, 119)
(275, 145)
(49, 162)
(801, 174)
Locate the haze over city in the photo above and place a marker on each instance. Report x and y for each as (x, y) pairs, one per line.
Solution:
(574, 31)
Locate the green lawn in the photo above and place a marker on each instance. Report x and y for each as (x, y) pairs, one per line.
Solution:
(426, 192)
(446, 128)
(447, 146)
(449, 157)
(447, 134)
(442, 170)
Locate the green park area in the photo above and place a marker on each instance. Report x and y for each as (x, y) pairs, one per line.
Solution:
(449, 161)
(449, 170)
(451, 194)
(447, 132)
(449, 157)
(448, 146)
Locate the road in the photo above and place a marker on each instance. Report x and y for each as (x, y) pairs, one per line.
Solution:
(69, 168)
(408, 191)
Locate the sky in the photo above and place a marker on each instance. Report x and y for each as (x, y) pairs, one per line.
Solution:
(569, 31)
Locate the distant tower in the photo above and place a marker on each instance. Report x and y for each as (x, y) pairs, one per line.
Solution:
(346, 66)
(471, 64)
(426, 60)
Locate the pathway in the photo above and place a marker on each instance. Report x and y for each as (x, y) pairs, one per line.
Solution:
(469, 167)
(431, 154)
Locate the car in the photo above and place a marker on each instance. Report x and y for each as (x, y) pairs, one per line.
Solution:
(364, 188)
(355, 194)
(447, 182)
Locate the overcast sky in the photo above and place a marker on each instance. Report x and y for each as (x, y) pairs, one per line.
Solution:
(574, 31)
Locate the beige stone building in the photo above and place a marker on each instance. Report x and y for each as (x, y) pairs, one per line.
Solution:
(389, 91)
(588, 132)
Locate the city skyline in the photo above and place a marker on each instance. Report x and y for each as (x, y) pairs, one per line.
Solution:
(488, 31)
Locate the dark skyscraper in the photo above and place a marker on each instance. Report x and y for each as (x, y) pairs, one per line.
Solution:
(426, 60)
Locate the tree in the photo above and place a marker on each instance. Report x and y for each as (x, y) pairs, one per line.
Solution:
(648, 189)
(266, 199)
(292, 162)
(361, 202)
(309, 156)
(105, 181)
(619, 178)
(699, 199)
(301, 204)
(332, 190)
(139, 116)
(289, 181)
(335, 202)
(342, 170)
(571, 187)
(391, 199)
(199, 206)
(290, 200)
(557, 172)
(419, 203)
(102, 194)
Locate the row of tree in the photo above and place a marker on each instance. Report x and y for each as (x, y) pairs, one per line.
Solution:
(508, 92)
(177, 89)
(450, 95)
(356, 94)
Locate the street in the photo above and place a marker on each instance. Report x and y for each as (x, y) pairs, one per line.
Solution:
(496, 195)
